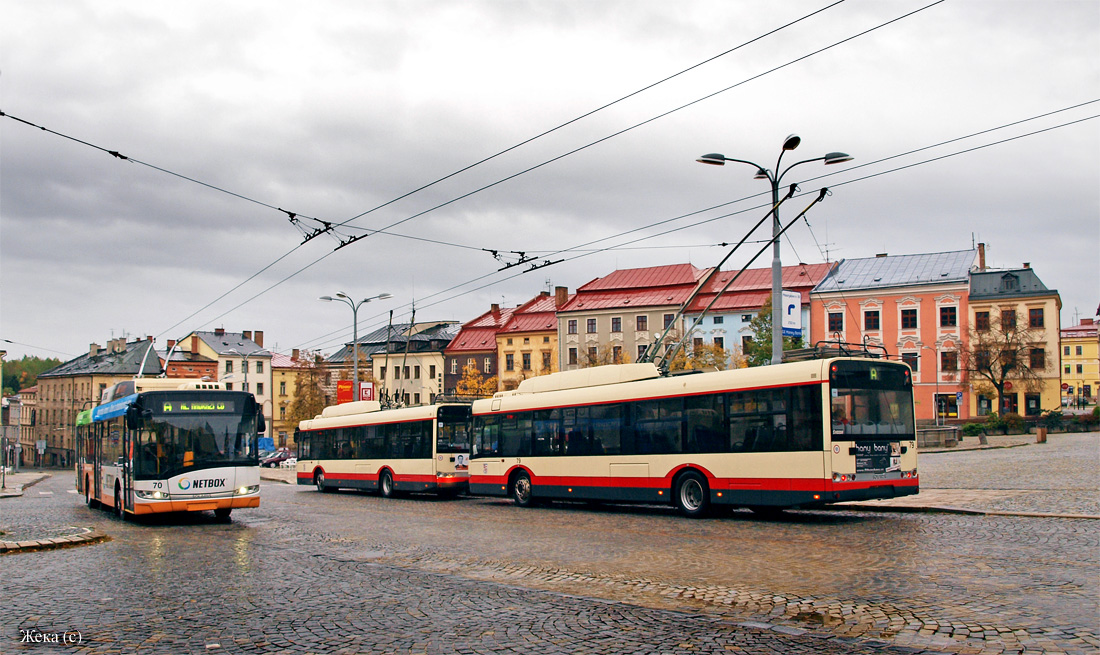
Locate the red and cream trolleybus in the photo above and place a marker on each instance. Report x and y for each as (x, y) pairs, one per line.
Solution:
(160, 445)
(359, 445)
(800, 434)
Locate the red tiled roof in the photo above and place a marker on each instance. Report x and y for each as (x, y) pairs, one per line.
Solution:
(470, 339)
(642, 278)
(794, 277)
(536, 315)
(490, 319)
(641, 298)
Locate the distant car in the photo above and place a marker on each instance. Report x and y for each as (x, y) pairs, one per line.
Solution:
(276, 459)
(264, 454)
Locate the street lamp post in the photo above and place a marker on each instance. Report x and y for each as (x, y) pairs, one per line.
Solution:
(790, 143)
(346, 299)
(245, 360)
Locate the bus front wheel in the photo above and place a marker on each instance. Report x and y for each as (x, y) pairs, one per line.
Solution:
(319, 482)
(691, 495)
(385, 484)
(222, 513)
(522, 492)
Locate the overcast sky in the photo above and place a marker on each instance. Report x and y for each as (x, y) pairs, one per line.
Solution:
(328, 110)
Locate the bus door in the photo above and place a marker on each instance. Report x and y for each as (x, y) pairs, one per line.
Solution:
(94, 454)
(129, 440)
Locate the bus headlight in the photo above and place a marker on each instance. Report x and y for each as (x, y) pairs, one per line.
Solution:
(244, 491)
(152, 495)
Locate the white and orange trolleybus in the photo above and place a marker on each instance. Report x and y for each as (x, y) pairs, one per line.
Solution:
(170, 445)
(359, 445)
(799, 434)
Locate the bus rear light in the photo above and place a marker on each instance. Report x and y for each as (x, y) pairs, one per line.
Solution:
(817, 496)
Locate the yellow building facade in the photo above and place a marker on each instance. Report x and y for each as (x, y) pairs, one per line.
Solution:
(1016, 300)
(1080, 364)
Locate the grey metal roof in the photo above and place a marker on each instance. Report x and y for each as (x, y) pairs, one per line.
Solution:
(1018, 282)
(223, 343)
(426, 335)
(125, 362)
(899, 271)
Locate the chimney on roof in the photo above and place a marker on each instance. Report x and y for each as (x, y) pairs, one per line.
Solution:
(93, 350)
(171, 344)
(1084, 321)
(495, 308)
(981, 256)
(194, 344)
(561, 296)
(258, 337)
(150, 338)
(247, 334)
(881, 254)
(1027, 264)
(219, 332)
(294, 354)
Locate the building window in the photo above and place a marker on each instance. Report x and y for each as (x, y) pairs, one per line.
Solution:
(431, 371)
(641, 351)
(259, 388)
(1080, 369)
(527, 361)
(871, 320)
(908, 319)
(282, 415)
(381, 373)
(244, 387)
(746, 342)
(616, 324)
(1067, 370)
(836, 321)
(545, 360)
(1038, 359)
(546, 339)
(282, 388)
(488, 365)
(1065, 351)
(509, 362)
(1035, 317)
(949, 361)
(454, 368)
(641, 323)
(406, 372)
(593, 355)
(572, 356)
(981, 321)
(720, 343)
(590, 326)
(1010, 282)
(718, 320)
(697, 343)
(948, 317)
(746, 318)
(259, 367)
(228, 366)
(668, 320)
(1008, 319)
(509, 341)
(526, 340)
(416, 372)
(1077, 351)
(617, 354)
(416, 399)
(912, 359)
(572, 326)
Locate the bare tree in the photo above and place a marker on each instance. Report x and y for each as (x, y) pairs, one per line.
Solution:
(706, 356)
(1002, 350)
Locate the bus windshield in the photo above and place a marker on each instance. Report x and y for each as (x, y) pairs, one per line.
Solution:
(871, 401)
(185, 432)
(453, 436)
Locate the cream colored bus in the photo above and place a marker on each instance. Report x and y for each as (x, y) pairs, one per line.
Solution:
(800, 434)
(358, 445)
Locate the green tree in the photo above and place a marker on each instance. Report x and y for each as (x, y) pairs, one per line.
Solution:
(758, 352)
(22, 373)
(473, 383)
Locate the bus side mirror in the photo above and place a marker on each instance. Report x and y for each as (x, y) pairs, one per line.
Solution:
(133, 418)
(261, 422)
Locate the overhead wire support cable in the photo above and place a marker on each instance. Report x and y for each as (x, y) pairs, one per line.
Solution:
(671, 353)
(651, 350)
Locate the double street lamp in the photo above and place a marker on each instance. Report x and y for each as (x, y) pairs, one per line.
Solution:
(245, 357)
(346, 299)
(775, 179)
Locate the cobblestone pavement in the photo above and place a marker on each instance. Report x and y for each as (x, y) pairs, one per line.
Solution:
(349, 572)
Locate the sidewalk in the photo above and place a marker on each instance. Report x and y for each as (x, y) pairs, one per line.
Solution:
(42, 537)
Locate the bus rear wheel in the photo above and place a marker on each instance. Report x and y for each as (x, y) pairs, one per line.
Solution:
(691, 494)
(522, 491)
(92, 502)
(319, 482)
(385, 484)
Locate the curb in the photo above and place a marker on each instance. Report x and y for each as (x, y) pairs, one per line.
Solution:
(88, 536)
(17, 490)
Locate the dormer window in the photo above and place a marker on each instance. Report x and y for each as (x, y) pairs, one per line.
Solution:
(1010, 282)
